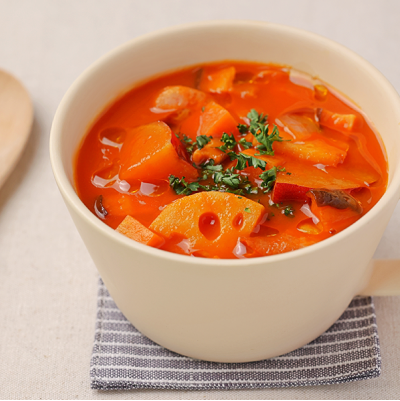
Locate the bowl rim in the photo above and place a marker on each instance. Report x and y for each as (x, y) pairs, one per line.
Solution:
(70, 196)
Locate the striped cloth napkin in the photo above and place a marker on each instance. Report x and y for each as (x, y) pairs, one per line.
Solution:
(124, 359)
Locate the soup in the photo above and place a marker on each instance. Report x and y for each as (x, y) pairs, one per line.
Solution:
(231, 160)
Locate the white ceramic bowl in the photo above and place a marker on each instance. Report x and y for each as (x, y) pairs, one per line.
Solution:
(229, 310)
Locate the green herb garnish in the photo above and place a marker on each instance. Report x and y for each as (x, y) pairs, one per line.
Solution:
(259, 128)
(269, 177)
(202, 140)
(247, 210)
(244, 161)
(288, 211)
(245, 144)
(181, 187)
(229, 142)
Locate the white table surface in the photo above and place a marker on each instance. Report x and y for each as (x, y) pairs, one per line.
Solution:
(48, 282)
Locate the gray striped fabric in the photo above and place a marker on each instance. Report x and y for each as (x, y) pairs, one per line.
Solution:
(125, 359)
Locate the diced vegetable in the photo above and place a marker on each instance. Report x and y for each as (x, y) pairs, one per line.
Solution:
(335, 198)
(148, 153)
(332, 218)
(296, 127)
(135, 230)
(173, 98)
(280, 243)
(218, 81)
(211, 220)
(114, 204)
(210, 151)
(340, 122)
(294, 186)
(316, 151)
(215, 120)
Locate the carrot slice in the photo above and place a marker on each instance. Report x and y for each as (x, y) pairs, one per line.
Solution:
(132, 229)
(215, 120)
(316, 151)
(173, 98)
(340, 122)
(211, 221)
(218, 81)
(148, 153)
(210, 151)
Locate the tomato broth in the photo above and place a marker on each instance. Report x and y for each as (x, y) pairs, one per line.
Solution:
(231, 160)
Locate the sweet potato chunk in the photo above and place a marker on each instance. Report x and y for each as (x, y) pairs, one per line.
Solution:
(210, 151)
(294, 187)
(340, 122)
(215, 120)
(173, 98)
(132, 229)
(219, 81)
(148, 153)
(316, 151)
(211, 221)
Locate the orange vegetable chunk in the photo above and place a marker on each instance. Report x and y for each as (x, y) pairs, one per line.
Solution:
(340, 122)
(210, 151)
(148, 153)
(280, 243)
(132, 229)
(218, 81)
(316, 151)
(211, 221)
(296, 127)
(215, 120)
(294, 187)
(331, 218)
(173, 98)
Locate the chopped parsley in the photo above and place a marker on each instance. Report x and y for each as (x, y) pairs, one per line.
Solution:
(288, 211)
(245, 144)
(259, 128)
(181, 187)
(229, 142)
(243, 128)
(202, 140)
(269, 177)
(247, 210)
(244, 161)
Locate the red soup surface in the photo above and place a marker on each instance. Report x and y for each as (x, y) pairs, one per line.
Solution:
(231, 160)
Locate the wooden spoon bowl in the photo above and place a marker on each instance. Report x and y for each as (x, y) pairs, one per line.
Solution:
(16, 117)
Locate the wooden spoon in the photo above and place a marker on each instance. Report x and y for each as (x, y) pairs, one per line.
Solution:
(16, 117)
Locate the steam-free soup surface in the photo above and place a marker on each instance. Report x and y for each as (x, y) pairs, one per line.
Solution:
(231, 160)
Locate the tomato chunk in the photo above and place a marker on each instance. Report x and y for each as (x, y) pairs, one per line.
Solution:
(135, 230)
(148, 153)
(211, 221)
(218, 81)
